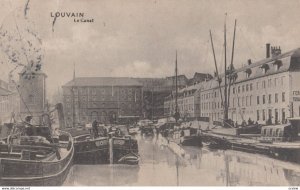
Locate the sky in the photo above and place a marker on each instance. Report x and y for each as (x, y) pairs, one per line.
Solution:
(139, 38)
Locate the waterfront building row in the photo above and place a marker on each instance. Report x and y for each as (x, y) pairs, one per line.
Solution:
(263, 91)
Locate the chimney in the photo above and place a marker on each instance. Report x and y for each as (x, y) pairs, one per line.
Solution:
(275, 51)
(249, 62)
(267, 50)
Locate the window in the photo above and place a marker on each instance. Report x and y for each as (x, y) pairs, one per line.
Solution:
(247, 87)
(283, 97)
(250, 100)
(269, 82)
(257, 100)
(239, 89)
(257, 85)
(247, 100)
(270, 98)
(270, 114)
(251, 87)
(276, 98)
(233, 102)
(264, 115)
(257, 115)
(243, 101)
(283, 115)
(243, 88)
(264, 84)
(282, 80)
(233, 90)
(275, 81)
(265, 132)
(264, 99)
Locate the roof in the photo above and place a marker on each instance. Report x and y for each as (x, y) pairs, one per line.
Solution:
(103, 81)
(289, 61)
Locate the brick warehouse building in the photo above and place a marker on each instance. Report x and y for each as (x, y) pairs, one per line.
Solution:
(110, 98)
(103, 98)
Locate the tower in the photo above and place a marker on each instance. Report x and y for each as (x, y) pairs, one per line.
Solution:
(32, 90)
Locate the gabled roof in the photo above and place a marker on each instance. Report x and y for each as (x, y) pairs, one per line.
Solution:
(103, 81)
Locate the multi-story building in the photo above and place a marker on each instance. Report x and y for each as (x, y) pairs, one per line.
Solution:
(187, 101)
(101, 98)
(154, 92)
(263, 91)
(9, 101)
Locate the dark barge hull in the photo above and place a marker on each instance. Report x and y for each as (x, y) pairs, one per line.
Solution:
(96, 151)
(92, 152)
(282, 153)
(192, 141)
(35, 173)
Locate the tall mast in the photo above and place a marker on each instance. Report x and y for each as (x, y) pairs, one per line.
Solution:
(73, 98)
(176, 91)
(225, 75)
(231, 79)
(217, 72)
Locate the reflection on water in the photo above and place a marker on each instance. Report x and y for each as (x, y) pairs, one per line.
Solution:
(193, 166)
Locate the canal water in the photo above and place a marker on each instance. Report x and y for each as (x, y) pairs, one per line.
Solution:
(165, 165)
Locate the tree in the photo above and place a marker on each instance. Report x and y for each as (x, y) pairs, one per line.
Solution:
(20, 44)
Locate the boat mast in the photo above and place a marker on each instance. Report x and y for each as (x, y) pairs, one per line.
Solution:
(73, 99)
(231, 76)
(176, 91)
(225, 75)
(217, 72)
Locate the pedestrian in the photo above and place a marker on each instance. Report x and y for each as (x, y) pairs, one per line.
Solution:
(95, 128)
(118, 132)
(28, 130)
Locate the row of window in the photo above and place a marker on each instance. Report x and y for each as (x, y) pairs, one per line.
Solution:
(133, 97)
(276, 99)
(4, 107)
(102, 91)
(189, 107)
(242, 88)
(270, 83)
(244, 101)
(262, 114)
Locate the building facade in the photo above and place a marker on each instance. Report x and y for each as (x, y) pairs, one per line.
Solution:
(263, 91)
(154, 92)
(101, 98)
(9, 101)
(187, 100)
